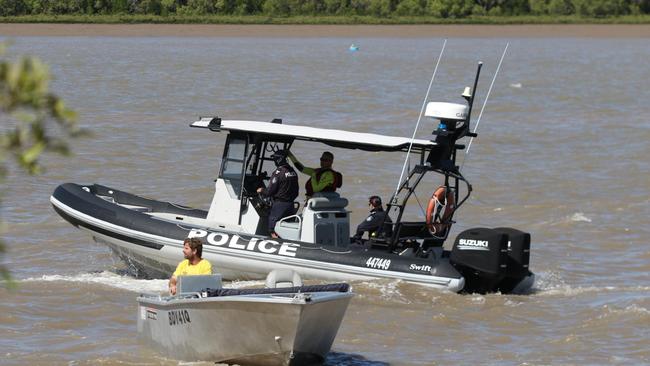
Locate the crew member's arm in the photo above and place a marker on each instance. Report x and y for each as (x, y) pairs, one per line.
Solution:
(370, 224)
(358, 235)
(173, 279)
(299, 166)
(274, 184)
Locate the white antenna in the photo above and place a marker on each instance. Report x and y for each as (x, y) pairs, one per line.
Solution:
(478, 120)
(424, 103)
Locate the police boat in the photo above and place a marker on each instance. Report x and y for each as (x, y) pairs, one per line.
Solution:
(285, 323)
(315, 241)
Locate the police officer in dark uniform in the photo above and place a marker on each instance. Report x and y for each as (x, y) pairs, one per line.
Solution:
(375, 223)
(283, 189)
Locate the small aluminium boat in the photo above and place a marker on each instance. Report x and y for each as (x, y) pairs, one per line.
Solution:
(272, 326)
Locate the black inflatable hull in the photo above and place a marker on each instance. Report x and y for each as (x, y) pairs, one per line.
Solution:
(148, 234)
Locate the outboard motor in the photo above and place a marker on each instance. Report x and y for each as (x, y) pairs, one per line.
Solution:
(491, 259)
(518, 258)
(481, 256)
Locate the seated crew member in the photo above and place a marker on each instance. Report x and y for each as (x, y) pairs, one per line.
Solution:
(193, 264)
(323, 179)
(374, 224)
(283, 189)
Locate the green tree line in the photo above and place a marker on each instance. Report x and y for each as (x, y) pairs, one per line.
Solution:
(377, 8)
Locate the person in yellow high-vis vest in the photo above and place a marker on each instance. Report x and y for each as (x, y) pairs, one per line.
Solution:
(323, 179)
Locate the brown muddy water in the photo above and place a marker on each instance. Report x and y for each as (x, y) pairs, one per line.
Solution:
(562, 153)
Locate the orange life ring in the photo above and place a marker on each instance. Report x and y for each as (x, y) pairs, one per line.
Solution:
(440, 209)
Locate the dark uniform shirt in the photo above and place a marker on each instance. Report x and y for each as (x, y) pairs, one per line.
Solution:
(373, 223)
(283, 185)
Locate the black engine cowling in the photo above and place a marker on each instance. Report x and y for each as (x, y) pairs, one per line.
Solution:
(518, 250)
(491, 259)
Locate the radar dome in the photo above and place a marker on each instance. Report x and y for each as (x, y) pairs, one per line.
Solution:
(446, 111)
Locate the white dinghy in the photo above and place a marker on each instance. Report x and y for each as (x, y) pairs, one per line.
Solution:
(286, 325)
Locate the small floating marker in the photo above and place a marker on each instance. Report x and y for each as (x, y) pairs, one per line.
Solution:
(515, 85)
(353, 48)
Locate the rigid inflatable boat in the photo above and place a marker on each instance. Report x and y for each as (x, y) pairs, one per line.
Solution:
(316, 241)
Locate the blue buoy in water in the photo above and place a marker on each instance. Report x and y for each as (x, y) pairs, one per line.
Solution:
(353, 48)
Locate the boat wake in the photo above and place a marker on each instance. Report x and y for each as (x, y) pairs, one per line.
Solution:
(124, 282)
(107, 278)
(567, 290)
(386, 290)
(551, 284)
(579, 217)
(547, 284)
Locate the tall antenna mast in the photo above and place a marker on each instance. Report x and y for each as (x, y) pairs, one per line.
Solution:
(424, 103)
(478, 121)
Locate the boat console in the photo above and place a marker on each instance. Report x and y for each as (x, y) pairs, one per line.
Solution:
(323, 221)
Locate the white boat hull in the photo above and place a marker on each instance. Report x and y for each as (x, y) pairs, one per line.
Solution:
(246, 329)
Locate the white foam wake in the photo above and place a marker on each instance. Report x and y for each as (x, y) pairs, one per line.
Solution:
(108, 279)
(552, 284)
(579, 217)
(126, 282)
(633, 309)
(388, 289)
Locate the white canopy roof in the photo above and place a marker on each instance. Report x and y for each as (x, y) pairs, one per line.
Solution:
(337, 138)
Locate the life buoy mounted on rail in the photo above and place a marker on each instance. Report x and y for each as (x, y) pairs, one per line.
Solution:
(439, 211)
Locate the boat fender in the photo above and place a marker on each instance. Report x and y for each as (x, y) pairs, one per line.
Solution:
(439, 210)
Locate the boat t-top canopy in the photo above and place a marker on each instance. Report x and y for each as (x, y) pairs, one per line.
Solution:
(332, 137)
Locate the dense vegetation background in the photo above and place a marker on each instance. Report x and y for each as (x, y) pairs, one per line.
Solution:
(444, 9)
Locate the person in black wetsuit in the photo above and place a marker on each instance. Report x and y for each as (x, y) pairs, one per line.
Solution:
(376, 222)
(283, 189)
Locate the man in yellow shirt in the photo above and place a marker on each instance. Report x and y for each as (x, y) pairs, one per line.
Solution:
(193, 263)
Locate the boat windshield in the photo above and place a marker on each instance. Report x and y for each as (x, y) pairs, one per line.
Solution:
(232, 166)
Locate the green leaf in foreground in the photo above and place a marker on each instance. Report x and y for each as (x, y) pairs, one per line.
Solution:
(38, 122)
